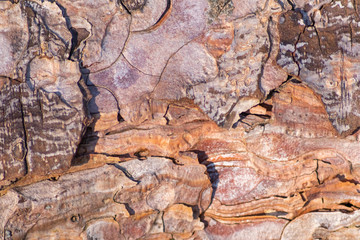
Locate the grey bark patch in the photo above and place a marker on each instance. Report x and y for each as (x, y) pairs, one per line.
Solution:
(39, 133)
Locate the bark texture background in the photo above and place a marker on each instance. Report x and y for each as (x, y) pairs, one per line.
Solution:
(179, 119)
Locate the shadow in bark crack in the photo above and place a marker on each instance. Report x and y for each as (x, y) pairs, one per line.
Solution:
(212, 173)
(90, 138)
(91, 92)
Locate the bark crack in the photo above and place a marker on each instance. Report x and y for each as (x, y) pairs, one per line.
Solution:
(161, 19)
(27, 166)
(126, 172)
(121, 52)
(166, 64)
(317, 171)
(73, 32)
(137, 67)
(293, 54)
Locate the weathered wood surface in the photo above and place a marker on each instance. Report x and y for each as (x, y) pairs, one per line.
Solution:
(39, 133)
(178, 119)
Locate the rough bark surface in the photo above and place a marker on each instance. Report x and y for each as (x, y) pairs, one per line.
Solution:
(179, 119)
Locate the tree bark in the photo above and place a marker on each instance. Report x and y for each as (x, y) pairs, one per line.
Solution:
(163, 119)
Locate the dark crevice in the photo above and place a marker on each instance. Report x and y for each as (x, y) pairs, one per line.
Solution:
(268, 107)
(277, 90)
(247, 113)
(317, 172)
(74, 42)
(25, 133)
(163, 222)
(119, 117)
(343, 178)
(74, 33)
(318, 38)
(307, 20)
(293, 53)
(28, 78)
(129, 209)
(268, 30)
(281, 4)
(195, 209)
(203, 220)
(292, 4)
(142, 154)
(86, 98)
(306, 203)
(326, 162)
(280, 196)
(357, 130)
(125, 155)
(174, 160)
(322, 6)
(294, 80)
(302, 196)
(54, 179)
(127, 174)
(278, 214)
(348, 204)
(201, 155)
(213, 176)
(123, 5)
(353, 207)
(260, 117)
(263, 117)
(229, 115)
(43, 23)
(166, 118)
(167, 9)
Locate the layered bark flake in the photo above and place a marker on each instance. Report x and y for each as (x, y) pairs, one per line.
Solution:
(39, 133)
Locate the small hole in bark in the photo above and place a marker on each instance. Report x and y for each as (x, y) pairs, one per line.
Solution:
(129, 209)
(120, 118)
(295, 80)
(75, 218)
(8, 234)
(347, 204)
(54, 178)
(47, 207)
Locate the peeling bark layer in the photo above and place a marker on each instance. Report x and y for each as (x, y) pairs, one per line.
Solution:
(163, 119)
